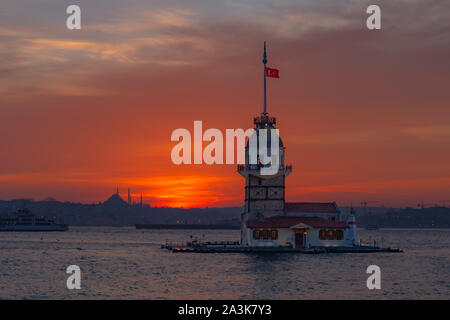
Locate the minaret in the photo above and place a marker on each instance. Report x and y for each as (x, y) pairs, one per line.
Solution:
(264, 194)
(129, 197)
(141, 201)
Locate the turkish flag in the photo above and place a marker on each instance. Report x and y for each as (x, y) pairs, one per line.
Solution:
(273, 73)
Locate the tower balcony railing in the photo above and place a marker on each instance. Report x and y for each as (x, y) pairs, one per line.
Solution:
(256, 167)
(264, 119)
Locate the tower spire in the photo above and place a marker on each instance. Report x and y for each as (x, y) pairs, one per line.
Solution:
(264, 61)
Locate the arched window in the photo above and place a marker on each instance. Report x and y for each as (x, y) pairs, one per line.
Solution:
(322, 234)
(330, 234)
(265, 234)
(274, 234)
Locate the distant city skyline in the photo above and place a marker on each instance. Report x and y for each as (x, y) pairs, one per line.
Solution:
(363, 113)
(137, 199)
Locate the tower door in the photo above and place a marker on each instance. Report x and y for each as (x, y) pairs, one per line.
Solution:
(299, 240)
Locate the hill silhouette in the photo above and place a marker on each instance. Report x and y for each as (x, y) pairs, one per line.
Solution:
(116, 212)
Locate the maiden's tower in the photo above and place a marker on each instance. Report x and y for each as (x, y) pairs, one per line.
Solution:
(268, 220)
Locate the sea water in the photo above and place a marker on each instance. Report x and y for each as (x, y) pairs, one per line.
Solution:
(124, 263)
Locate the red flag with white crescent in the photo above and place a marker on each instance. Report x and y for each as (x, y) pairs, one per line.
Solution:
(273, 73)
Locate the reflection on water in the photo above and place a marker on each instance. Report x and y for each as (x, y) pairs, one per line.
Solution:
(124, 263)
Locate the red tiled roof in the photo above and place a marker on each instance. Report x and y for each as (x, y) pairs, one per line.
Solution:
(312, 207)
(287, 222)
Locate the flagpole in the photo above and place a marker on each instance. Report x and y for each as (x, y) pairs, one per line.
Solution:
(265, 62)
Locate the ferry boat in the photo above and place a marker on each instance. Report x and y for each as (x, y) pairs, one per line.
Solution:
(24, 221)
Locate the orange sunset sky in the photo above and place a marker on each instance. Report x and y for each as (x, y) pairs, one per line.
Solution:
(364, 115)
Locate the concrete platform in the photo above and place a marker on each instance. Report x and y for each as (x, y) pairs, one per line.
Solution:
(233, 248)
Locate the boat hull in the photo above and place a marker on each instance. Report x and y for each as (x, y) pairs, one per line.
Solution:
(34, 228)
